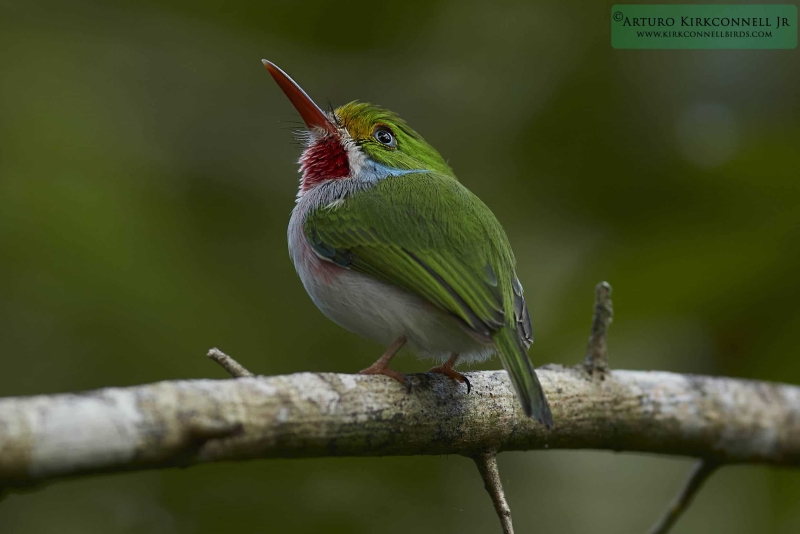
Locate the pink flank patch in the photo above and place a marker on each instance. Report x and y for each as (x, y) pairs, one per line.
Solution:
(326, 159)
(322, 271)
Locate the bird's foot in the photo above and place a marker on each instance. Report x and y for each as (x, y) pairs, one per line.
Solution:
(447, 369)
(381, 367)
(376, 369)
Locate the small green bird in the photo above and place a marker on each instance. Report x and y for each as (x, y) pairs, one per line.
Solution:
(390, 246)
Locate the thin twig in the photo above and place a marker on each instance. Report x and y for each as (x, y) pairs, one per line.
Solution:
(236, 369)
(487, 465)
(597, 351)
(702, 470)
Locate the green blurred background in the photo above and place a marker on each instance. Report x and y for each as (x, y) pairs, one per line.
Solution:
(146, 179)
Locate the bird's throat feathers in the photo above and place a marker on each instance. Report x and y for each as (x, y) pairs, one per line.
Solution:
(325, 158)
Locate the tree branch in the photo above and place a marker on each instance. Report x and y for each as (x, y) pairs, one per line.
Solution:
(234, 368)
(597, 351)
(323, 414)
(182, 423)
(487, 466)
(702, 470)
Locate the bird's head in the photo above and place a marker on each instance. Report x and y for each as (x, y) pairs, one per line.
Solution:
(357, 141)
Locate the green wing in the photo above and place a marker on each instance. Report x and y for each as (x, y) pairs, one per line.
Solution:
(429, 235)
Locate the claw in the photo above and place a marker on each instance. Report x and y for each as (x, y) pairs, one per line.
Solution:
(385, 371)
(381, 366)
(447, 369)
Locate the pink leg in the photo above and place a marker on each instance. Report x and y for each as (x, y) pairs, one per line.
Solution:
(381, 367)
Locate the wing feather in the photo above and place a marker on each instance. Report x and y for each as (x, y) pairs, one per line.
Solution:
(429, 235)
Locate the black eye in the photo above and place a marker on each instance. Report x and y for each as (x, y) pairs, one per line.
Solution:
(385, 136)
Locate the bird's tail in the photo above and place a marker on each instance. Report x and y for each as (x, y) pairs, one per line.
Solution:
(520, 369)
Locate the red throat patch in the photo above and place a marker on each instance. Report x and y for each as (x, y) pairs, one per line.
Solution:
(325, 159)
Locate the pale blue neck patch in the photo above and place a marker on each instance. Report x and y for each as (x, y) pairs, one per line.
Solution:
(372, 171)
